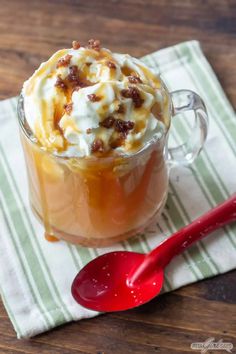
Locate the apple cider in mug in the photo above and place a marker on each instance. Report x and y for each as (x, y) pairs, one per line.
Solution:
(93, 128)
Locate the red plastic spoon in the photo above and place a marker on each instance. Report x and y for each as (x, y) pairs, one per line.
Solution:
(119, 281)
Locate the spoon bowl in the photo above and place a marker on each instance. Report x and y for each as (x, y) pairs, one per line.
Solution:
(102, 285)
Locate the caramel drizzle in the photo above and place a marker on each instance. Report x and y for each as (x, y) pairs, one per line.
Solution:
(78, 79)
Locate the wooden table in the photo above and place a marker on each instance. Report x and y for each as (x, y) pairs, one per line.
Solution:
(31, 31)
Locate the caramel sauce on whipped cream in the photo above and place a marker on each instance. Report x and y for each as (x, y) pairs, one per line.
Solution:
(88, 100)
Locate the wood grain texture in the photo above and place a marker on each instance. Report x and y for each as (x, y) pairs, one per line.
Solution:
(31, 31)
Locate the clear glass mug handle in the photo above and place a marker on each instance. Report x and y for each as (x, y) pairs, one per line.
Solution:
(183, 101)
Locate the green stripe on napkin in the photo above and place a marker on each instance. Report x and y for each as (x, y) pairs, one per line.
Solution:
(35, 276)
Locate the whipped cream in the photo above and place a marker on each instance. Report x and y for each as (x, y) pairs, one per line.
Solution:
(88, 100)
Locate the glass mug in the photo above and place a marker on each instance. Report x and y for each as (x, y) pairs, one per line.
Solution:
(97, 201)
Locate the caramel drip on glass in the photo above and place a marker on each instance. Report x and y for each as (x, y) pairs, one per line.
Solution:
(48, 234)
(50, 238)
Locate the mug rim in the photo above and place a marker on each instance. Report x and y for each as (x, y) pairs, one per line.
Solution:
(31, 138)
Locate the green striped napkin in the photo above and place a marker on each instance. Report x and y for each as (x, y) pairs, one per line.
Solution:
(35, 276)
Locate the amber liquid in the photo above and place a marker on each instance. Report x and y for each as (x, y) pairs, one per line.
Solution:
(95, 203)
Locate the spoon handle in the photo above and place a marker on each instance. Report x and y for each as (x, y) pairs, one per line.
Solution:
(201, 227)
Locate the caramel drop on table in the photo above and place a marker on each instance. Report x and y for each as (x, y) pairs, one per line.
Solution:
(50, 237)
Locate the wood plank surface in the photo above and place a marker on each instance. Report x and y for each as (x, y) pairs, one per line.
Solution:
(30, 31)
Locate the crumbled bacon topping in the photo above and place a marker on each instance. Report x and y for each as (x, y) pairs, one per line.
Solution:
(133, 79)
(107, 122)
(110, 64)
(73, 75)
(75, 45)
(122, 126)
(93, 98)
(81, 84)
(74, 79)
(97, 145)
(60, 83)
(65, 61)
(121, 108)
(68, 107)
(134, 94)
(94, 44)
